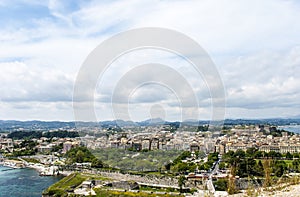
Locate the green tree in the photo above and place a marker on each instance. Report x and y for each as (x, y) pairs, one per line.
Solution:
(222, 165)
(259, 169)
(296, 165)
(251, 152)
(97, 163)
(267, 170)
(295, 155)
(221, 185)
(289, 155)
(279, 168)
(79, 156)
(181, 182)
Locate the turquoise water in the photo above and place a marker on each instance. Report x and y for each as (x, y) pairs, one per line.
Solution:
(23, 182)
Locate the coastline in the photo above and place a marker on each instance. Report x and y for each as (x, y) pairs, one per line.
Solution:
(42, 169)
(25, 182)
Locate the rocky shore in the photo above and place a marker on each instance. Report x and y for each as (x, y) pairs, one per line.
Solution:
(43, 170)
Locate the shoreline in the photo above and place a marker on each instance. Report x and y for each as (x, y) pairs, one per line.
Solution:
(24, 182)
(42, 169)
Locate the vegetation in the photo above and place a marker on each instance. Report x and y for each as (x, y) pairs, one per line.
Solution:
(253, 163)
(39, 134)
(66, 184)
(107, 193)
(25, 148)
(81, 155)
(31, 160)
(221, 185)
(212, 157)
(203, 128)
(61, 134)
(69, 183)
(57, 148)
(274, 131)
(144, 161)
(181, 182)
(268, 167)
(179, 166)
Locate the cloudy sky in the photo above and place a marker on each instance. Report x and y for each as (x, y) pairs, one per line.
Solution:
(255, 46)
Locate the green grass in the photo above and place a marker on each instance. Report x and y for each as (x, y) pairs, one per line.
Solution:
(107, 193)
(67, 183)
(70, 182)
(31, 160)
(145, 188)
(288, 162)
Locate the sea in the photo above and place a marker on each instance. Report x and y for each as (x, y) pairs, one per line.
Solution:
(291, 128)
(23, 182)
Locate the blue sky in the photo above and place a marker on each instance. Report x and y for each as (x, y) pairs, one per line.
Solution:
(255, 46)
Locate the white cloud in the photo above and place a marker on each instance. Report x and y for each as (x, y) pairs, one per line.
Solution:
(22, 83)
(264, 80)
(254, 43)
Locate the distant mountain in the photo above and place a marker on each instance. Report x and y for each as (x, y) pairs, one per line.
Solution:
(151, 122)
(295, 117)
(12, 125)
(120, 123)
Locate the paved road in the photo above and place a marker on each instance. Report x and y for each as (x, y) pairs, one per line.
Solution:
(210, 185)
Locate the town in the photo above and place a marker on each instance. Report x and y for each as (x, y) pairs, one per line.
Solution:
(165, 158)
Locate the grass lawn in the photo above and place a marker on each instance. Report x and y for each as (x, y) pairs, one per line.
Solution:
(70, 182)
(107, 193)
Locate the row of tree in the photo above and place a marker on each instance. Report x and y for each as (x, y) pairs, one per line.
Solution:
(251, 163)
(39, 134)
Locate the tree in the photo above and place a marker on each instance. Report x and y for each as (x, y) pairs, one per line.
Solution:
(222, 165)
(250, 152)
(231, 181)
(79, 156)
(258, 154)
(221, 185)
(267, 171)
(181, 182)
(279, 168)
(296, 155)
(203, 128)
(97, 163)
(213, 157)
(240, 153)
(259, 169)
(289, 155)
(274, 154)
(296, 165)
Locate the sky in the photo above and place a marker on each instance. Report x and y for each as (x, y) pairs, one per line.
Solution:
(255, 45)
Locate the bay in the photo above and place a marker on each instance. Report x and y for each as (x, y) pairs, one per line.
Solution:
(23, 182)
(291, 128)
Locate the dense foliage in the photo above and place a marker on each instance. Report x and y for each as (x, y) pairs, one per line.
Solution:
(274, 131)
(154, 160)
(179, 166)
(221, 184)
(26, 147)
(203, 128)
(251, 163)
(39, 134)
(81, 155)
